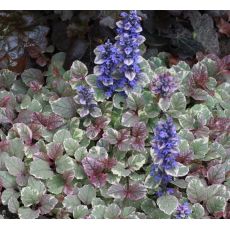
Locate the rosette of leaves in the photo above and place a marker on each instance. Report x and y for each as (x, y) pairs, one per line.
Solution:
(22, 36)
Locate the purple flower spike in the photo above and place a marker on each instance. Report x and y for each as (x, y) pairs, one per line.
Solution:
(183, 211)
(128, 42)
(165, 144)
(164, 85)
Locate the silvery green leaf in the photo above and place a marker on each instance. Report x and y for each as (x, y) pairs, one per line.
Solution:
(28, 213)
(216, 204)
(135, 162)
(37, 185)
(98, 211)
(16, 148)
(80, 153)
(119, 101)
(14, 165)
(13, 205)
(70, 202)
(86, 194)
(80, 212)
(164, 104)
(29, 196)
(7, 194)
(91, 80)
(97, 151)
(70, 146)
(120, 169)
(187, 121)
(197, 211)
(196, 191)
(64, 163)
(112, 211)
(178, 171)
(7, 180)
(135, 101)
(61, 135)
(181, 183)
(167, 204)
(178, 101)
(64, 107)
(216, 150)
(56, 184)
(40, 169)
(78, 70)
(99, 95)
(24, 132)
(200, 147)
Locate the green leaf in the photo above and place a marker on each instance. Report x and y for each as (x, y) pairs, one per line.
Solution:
(187, 121)
(97, 151)
(80, 153)
(16, 148)
(56, 184)
(135, 101)
(91, 80)
(14, 165)
(178, 101)
(70, 202)
(28, 213)
(29, 196)
(216, 150)
(70, 146)
(13, 205)
(64, 107)
(196, 191)
(135, 162)
(7, 194)
(32, 74)
(197, 211)
(119, 101)
(47, 203)
(78, 69)
(40, 169)
(216, 204)
(164, 104)
(80, 212)
(112, 211)
(129, 119)
(167, 204)
(98, 211)
(86, 194)
(61, 135)
(179, 170)
(7, 180)
(200, 147)
(63, 164)
(37, 185)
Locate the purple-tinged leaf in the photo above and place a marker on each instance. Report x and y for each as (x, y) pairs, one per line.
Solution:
(22, 179)
(108, 163)
(92, 166)
(4, 144)
(133, 192)
(216, 174)
(54, 150)
(51, 122)
(98, 179)
(24, 132)
(4, 101)
(129, 119)
(47, 204)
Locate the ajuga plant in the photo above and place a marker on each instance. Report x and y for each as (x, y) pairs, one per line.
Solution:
(134, 139)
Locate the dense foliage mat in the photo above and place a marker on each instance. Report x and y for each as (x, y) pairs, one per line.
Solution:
(137, 138)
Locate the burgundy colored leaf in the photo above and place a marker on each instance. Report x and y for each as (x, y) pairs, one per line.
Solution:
(216, 174)
(42, 156)
(139, 134)
(98, 179)
(4, 101)
(51, 122)
(36, 130)
(4, 145)
(108, 163)
(35, 86)
(24, 116)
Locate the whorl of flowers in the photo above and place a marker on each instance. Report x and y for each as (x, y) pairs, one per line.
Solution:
(183, 211)
(128, 42)
(85, 98)
(107, 58)
(164, 85)
(165, 143)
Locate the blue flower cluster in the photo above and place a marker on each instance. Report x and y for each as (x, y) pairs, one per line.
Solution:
(128, 42)
(107, 58)
(85, 98)
(165, 148)
(118, 64)
(183, 211)
(164, 85)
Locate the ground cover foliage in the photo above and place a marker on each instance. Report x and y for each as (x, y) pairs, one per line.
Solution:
(137, 136)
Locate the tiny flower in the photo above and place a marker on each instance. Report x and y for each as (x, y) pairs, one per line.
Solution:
(183, 211)
(85, 99)
(164, 85)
